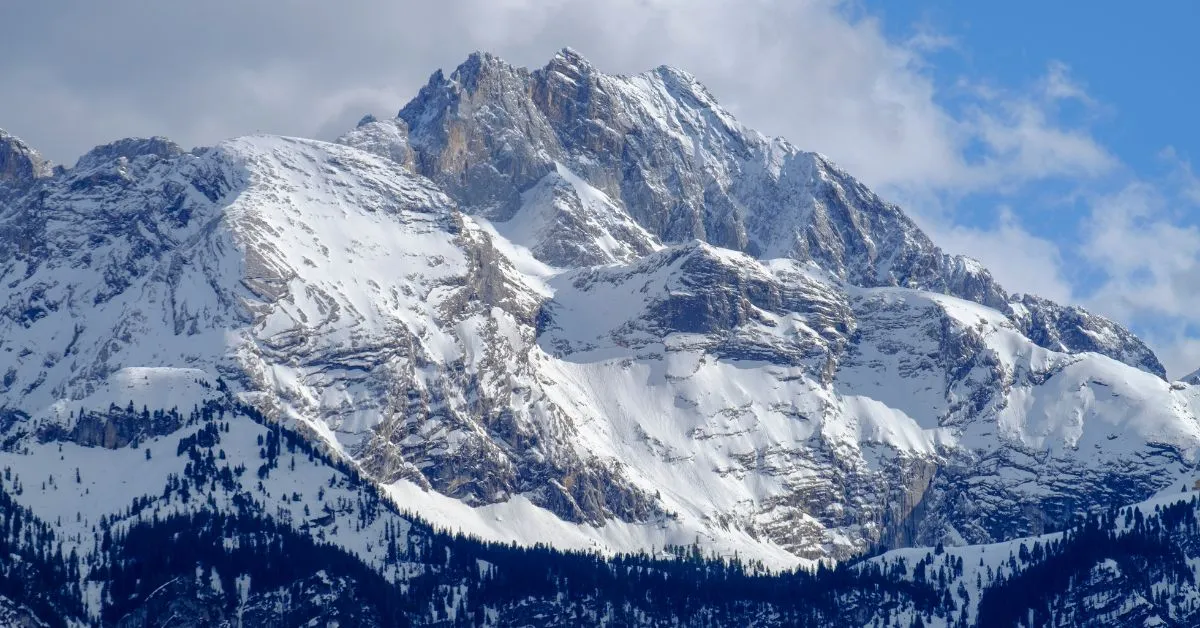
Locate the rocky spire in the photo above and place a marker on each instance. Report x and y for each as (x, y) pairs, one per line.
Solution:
(130, 148)
(20, 165)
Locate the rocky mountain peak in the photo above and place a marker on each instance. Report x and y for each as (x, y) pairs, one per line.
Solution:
(20, 164)
(669, 164)
(129, 149)
(570, 62)
(1192, 378)
(386, 138)
(482, 71)
(690, 89)
(1073, 329)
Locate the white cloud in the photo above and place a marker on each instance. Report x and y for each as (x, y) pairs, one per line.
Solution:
(1144, 241)
(1181, 174)
(1019, 260)
(1177, 348)
(1152, 263)
(1059, 85)
(1025, 145)
(1023, 138)
(807, 70)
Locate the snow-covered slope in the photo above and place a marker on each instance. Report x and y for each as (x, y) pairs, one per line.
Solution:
(203, 457)
(583, 309)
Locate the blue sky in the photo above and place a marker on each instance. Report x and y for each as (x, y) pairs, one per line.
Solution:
(1133, 57)
(1131, 65)
(1051, 140)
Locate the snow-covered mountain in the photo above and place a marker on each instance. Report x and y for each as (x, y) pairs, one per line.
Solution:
(581, 309)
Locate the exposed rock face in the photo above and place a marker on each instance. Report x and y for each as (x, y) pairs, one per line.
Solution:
(116, 428)
(1192, 378)
(663, 153)
(598, 300)
(722, 302)
(20, 165)
(1074, 330)
(567, 223)
(183, 248)
(129, 149)
(386, 138)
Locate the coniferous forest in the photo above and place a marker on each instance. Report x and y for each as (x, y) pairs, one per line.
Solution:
(207, 550)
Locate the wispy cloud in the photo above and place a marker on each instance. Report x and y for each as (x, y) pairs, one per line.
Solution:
(1144, 240)
(814, 71)
(1017, 258)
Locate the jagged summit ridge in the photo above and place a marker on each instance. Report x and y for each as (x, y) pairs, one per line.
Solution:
(129, 149)
(669, 159)
(20, 165)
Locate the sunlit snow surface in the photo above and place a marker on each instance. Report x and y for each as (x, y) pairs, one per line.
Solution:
(335, 289)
